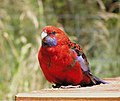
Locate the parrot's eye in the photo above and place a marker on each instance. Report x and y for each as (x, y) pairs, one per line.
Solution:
(52, 32)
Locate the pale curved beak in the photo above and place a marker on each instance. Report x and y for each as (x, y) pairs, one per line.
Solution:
(43, 35)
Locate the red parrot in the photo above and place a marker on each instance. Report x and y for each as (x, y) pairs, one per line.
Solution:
(63, 62)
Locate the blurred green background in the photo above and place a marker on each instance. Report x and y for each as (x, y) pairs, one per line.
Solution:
(94, 24)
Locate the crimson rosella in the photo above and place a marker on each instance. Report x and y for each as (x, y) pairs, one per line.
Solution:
(63, 62)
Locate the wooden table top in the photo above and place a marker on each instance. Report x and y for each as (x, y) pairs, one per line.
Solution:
(106, 92)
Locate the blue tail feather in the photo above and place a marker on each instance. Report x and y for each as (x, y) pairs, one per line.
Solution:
(99, 81)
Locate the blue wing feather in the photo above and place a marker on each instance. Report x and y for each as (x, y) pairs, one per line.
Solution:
(85, 67)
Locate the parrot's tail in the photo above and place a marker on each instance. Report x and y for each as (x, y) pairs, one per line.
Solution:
(93, 80)
(99, 81)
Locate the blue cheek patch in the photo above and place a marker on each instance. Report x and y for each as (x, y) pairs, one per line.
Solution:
(51, 41)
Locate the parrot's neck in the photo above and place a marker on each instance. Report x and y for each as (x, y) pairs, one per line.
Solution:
(56, 50)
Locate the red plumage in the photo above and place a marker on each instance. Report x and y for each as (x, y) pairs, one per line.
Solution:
(61, 60)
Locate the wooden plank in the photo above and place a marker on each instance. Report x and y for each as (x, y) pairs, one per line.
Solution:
(108, 92)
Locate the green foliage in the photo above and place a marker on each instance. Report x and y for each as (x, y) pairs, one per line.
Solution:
(94, 24)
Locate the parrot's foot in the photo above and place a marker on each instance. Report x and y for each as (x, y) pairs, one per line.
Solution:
(65, 87)
(70, 86)
(56, 86)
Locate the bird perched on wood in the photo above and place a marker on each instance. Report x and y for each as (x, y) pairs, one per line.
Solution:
(63, 62)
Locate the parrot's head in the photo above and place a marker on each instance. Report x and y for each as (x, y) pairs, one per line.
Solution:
(52, 36)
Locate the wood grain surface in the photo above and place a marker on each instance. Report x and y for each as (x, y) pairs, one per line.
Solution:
(107, 92)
